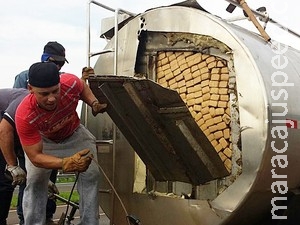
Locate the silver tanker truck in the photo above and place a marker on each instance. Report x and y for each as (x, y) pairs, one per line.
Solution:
(202, 120)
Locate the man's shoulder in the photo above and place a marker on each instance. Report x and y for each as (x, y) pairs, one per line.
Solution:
(13, 92)
(68, 75)
(23, 73)
(68, 78)
(25, 106)
(12, 95)
(21, 80)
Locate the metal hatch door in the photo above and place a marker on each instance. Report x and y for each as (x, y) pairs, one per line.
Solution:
(160, 128)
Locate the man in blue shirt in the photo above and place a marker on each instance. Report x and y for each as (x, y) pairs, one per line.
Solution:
(54, 52)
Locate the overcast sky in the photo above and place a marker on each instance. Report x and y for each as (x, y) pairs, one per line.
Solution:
(26, 26)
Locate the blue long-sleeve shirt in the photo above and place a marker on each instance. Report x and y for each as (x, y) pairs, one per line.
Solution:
(21, 80)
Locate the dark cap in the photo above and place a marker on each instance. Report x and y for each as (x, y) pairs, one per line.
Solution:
(43, 74)
(56, 51)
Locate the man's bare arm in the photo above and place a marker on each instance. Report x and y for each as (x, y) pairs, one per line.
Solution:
(7, 142)
(39, 159)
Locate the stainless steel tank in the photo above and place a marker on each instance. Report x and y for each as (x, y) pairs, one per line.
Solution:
(254, 81)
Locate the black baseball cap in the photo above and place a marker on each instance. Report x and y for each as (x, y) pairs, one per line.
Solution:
(56, 51)
(43, 74)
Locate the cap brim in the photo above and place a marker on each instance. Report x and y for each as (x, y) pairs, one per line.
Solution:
(59, 58)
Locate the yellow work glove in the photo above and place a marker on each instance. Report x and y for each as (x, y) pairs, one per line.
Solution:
(97, 107)
(86, 72)
(78, 162)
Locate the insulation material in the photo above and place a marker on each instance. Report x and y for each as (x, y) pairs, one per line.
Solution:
(202, 81)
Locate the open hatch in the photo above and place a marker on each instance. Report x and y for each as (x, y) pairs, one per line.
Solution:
(159, 127)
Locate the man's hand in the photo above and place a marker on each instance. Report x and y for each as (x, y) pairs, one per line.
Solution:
(78, 162)
(97, 107)
(17, 173)
(86, 72)
(52, 189)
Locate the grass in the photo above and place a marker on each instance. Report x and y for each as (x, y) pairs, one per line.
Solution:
(65, 179)
(60, 179)
(66, 195)
(74, 198)
(14, 201)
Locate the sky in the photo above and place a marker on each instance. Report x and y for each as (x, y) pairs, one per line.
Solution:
(26, 26)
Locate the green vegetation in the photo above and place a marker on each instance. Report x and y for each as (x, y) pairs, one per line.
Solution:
(66, 195)
(66, 178)
(14, 201)
(74, 198)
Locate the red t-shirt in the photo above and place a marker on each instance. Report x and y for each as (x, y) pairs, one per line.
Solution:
(32, 122)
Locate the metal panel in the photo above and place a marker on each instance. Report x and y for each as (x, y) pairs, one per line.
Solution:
(158, 125)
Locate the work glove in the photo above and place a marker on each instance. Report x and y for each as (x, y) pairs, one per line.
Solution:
(52, 189)
(97, 107)
(86, 72)
(17, 174)
(78, 162)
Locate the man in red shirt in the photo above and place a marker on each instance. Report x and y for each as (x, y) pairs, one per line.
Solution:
(52, 137)
(56, 53)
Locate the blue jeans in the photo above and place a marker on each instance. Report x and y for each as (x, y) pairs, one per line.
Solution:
(35, 193)
(51, 203)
